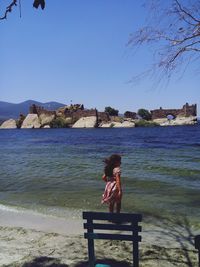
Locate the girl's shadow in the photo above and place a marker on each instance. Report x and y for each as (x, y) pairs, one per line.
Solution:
(44, 262)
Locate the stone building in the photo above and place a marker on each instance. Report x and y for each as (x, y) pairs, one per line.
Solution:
(72, 113)
(34, 109)
(185, 111)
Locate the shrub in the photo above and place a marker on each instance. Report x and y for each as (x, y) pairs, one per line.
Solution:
(144, 114)
(144, 123)
(111, 111)
(59, 122)
(130, 114)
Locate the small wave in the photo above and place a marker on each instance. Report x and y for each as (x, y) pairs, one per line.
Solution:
(54, 212)
(17, 209)
(8, 208)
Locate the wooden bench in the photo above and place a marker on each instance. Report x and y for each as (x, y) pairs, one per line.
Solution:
(197, 245)
(112, 221)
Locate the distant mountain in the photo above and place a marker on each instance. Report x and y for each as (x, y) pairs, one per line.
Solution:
(10, 110)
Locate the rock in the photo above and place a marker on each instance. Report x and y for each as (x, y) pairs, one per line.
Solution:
(117, 125)
(106, 125)
(124, 124)
(46, 119)
(191, 120)
(161, 121)
(179, 120)
(128, 124)
(46, 127)
(116, 119)
(86, 122)
(31, 121)
(61, 111)
(9, 124)
(69, 120)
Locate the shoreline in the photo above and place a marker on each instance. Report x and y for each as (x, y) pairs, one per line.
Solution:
(27, 236)
(28, 219)
(116, 125)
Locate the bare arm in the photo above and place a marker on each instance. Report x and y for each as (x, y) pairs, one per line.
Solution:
(104, 177)
(118, 181)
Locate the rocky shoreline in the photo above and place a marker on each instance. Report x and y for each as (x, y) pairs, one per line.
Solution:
(75, 116)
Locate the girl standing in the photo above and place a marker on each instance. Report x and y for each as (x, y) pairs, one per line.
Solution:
(112, 176)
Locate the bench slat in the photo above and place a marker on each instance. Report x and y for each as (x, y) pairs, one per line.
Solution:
(119, 227)
(121, 217)
(112, 237)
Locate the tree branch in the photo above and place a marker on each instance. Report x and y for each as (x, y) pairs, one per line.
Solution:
(172, 34)
(9, 9)
(186, 48)
(36, 4)
(187, 13)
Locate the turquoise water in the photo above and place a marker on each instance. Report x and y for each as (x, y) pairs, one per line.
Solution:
(50, 170)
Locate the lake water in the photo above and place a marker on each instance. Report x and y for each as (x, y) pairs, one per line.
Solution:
(51, 170)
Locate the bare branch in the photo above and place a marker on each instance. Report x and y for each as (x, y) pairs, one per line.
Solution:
(177, 54)
(174, 30)
(9, 9)
(186, 12)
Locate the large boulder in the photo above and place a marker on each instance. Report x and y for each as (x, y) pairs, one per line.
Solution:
(106, 125)
(46, 127)
(191, 120)
(31, 121)
(86, 122)
(46, 119)
(9, 124)
(124, 124)
(179, 120)
(127, 124)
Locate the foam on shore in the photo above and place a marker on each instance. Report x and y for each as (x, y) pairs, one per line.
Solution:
(18, 217)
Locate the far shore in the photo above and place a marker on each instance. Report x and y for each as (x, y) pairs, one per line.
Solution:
(29, 238)
(76, 116)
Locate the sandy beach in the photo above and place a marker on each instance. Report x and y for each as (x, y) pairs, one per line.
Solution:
(30, 239)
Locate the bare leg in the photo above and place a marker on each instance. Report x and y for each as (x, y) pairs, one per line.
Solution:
(111, 207)
(118, 207)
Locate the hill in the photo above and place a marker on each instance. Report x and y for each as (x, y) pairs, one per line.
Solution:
(10, 110)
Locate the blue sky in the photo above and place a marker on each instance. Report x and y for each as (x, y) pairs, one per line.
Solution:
(77, 50)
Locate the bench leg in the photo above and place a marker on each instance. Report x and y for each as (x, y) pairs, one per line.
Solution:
(91, 253)
(199, 257)
(135, 254)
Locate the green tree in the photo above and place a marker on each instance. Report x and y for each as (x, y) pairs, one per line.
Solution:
(144, 114)
(130, 114)
(111, 111)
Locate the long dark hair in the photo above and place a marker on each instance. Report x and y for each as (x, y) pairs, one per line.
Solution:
(111, 164)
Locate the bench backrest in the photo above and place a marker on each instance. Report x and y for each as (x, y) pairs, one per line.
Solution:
(123, 222)
(119, 223)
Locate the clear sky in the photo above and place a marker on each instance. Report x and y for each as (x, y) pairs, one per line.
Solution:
(77, 51)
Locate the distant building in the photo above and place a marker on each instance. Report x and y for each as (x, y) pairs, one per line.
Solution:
(185, 111)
